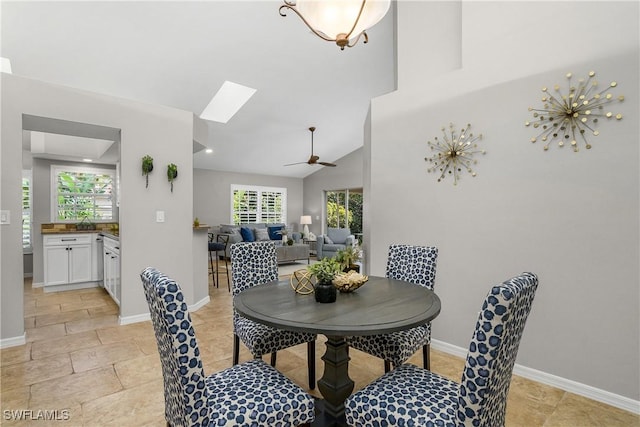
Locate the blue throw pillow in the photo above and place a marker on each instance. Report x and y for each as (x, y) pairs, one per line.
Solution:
(247, 234)
(273, 232)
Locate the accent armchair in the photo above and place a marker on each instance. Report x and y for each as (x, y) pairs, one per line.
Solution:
(334, 240)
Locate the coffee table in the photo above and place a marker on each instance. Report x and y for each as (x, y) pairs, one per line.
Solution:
(381, 306)
(290, 253)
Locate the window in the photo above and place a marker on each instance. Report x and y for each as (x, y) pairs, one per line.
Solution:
(82, 192)
(26, 210)
(344, 209)
(251, 204)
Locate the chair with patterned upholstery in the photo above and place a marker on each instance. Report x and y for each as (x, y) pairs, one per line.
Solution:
(410, 395)
(254, 264)
(415, 264)
(252, 393)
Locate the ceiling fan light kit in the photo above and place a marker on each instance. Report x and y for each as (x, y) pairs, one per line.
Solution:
(339, 21)
(313, 159)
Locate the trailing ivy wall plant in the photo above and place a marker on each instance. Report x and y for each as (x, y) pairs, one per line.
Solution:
(147, 167)
(172, 173)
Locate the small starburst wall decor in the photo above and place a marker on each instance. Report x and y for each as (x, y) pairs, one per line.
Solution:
(570, 116)
(454, 153)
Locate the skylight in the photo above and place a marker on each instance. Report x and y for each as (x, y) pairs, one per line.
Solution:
(226, 103)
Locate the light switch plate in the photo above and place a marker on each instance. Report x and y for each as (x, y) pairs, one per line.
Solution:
(159, 216)
(5, 217)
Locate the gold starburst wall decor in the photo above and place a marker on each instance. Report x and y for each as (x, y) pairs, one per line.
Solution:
(454, 153)
(572, 115)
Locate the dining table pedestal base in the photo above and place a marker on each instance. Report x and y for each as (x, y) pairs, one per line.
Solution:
(335, 384)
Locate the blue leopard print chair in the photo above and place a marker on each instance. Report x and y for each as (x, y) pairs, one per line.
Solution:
(252, 393)
(254, 264)
(415, 264)
(412, 396)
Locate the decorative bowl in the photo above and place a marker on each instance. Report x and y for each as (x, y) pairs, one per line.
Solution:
(349, 282)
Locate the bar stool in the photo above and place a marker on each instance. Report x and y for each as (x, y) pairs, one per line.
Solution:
(214, 247)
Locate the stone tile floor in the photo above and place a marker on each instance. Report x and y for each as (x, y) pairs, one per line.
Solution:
(80, 362)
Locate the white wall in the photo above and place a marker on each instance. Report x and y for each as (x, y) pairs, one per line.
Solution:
(164, 133)
(572, 218)
(212, 194)
(347, 174)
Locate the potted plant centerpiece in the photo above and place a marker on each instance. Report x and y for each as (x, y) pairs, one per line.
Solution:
(325, 271)
(348, 257)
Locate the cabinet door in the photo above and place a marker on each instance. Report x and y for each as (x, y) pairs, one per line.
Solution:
(80, 263)
(96, 257)
(116, 279)
(56, 265)
(107, 270)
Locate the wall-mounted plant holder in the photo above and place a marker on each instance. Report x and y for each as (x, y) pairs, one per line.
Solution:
(454, 153)
(172, 174)
(147, 167)
(569, 116)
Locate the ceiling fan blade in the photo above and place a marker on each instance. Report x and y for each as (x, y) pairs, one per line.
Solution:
(313, 159)
(327, 164)
(298, 163)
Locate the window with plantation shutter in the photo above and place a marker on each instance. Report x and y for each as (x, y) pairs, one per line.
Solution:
(258, 204)
(82, 192)
(26, 210)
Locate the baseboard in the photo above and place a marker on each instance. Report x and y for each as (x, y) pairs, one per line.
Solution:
(27, 275)
(126, 320)
(37, 284)
(71, 287)
(13, 341)
(198, 305)
(584, 390)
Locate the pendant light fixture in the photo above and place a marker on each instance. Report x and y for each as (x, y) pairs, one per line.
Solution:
(339, 21)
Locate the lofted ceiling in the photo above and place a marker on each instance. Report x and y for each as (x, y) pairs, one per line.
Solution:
(179, 53)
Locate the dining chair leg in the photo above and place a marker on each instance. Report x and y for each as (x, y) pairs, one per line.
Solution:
(273, 358)
(217, 270)
(311, 362)
(387, 366)
(236, 349)
(213, 275)
(426, 356)
(226, 269)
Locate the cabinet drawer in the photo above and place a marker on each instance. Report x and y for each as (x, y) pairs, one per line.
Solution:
(67, 239)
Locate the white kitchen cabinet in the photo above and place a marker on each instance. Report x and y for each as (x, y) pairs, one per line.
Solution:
(112, 267)
(67, 259)
(96, 257)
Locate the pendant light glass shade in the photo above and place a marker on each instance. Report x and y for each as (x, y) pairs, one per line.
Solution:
(334, 17)
(342, 21)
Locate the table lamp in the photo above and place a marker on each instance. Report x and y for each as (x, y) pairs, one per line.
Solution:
(306, 221)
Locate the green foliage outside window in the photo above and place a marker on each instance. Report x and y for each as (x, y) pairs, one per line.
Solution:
(83, 195)
(339, 216)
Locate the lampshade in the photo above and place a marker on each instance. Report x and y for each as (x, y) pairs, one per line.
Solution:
(342, 21)
(305, 220)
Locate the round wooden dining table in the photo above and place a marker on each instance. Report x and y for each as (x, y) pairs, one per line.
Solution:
(381, 306)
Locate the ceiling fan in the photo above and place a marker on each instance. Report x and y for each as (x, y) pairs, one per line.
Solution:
(313, 160)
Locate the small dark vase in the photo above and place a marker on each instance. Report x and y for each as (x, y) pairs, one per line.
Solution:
(325, 292)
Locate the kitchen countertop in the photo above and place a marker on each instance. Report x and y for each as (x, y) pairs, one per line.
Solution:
(101, 232)
(110, 235)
